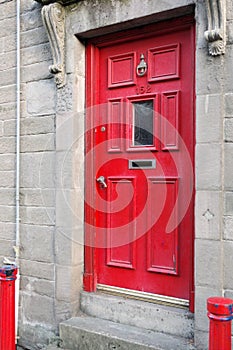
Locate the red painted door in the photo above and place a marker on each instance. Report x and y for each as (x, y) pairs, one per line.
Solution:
(142, 158)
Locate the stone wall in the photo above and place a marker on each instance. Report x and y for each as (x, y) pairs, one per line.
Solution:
(7, 118)
(213, 228)
(37, 180)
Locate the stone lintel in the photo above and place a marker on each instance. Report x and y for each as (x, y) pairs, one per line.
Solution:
(63, 2)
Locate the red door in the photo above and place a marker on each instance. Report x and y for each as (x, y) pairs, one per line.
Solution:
(141, 111)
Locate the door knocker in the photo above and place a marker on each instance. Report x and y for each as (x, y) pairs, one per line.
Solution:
(142, 67)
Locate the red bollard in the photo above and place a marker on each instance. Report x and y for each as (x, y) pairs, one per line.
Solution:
(220, 315)
(8, 275)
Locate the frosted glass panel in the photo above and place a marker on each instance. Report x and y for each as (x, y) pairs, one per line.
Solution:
(143, 123)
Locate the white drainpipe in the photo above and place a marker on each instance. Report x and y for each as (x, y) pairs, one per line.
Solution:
(17, 185)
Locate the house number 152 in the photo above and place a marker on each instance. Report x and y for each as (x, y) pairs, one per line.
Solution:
(143, 89)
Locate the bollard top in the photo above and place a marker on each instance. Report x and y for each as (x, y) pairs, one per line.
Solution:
(220, 306)
(8, 272)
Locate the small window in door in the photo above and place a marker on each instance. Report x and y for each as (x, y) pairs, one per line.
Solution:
(143, 123)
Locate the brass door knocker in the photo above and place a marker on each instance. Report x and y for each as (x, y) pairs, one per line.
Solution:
(142, 67)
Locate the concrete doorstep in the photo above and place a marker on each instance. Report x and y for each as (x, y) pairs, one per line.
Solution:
(90, 333)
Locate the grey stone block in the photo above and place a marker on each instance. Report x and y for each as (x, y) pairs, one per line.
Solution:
(228, 294)
(8, 61)
(229, 31)
(228, 203)
(38, 170)
(37, 143)
(10, 43)
(8, 77)
(10, 127)
(64, 207)
(159, 318)
(6, 248)
(36, 71)
(64, 170)
(35, 125)
(229, 11)
(201, 296)
(64, 310)
(1, 46)
(35, 336)
(227, 264)
(37, 285)
(31, 20)
(7, 162)
(34, 37)
(37, 269)
(37, 216)
(229, 104)
(208, 262)
(228, 166)
(201, 25)
(1, 128)
(37, 243)
(7, 94)
(209, 118)
(67, 286)
(7, 111)
(36, 54)
(8, 10)
(44, 287)
(208, 208)
(68, 248)
(209, 73)
(87, 333)
(29, 5)
(7, 213)
(208, 166)
(41, 97)
(37, 197)
(33, 309)
(228, 228)
(7, 230)
(7, 144)
(228, 79)
(7, 26)
(7, 179)
(201, 340)
(228, 129)
(7, 195)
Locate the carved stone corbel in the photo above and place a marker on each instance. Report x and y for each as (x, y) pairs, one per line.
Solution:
(216, 33)
(54, 21)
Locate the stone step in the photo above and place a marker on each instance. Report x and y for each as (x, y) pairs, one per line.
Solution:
(90, 333)
(150, 316)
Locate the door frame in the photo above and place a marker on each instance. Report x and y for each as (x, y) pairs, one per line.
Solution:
(92, 99)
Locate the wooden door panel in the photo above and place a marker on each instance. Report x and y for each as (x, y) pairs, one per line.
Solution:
(121, 70)
(143, 147)
(162, 246)
(115, 123)
(164, 63)
(170, 120)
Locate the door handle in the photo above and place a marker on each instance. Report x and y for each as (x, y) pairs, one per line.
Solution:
(101, 180)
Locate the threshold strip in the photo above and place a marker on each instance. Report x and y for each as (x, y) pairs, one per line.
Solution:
(149, 297)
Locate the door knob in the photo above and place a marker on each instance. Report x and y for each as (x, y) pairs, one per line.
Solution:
(101, 180)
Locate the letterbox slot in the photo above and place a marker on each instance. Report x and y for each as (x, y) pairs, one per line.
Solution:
(142, 164)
